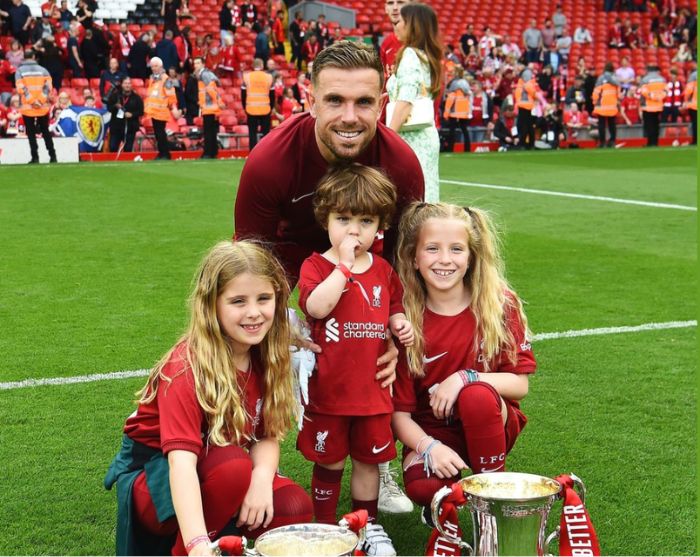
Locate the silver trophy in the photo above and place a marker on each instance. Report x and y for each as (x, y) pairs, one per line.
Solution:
(509, 512)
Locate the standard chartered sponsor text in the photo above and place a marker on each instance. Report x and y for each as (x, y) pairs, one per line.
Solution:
(358, 329)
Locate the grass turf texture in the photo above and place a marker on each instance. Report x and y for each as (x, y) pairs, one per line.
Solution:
(97, 262)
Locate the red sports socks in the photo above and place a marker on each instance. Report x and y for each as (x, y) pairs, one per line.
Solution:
(479, 407)
(325, 490)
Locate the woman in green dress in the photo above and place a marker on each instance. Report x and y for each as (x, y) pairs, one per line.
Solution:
(418, 75)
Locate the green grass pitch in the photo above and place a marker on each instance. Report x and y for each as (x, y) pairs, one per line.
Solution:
(97, 261)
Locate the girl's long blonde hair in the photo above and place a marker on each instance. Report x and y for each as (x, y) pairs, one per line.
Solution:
(209, 352)
(484, 278)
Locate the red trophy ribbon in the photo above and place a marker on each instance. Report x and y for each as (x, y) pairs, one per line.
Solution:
(577, 535)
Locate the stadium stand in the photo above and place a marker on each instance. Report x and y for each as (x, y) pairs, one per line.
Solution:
(503, 17)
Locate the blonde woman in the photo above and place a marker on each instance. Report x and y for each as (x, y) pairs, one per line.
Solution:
(418, 74)
(202, 448)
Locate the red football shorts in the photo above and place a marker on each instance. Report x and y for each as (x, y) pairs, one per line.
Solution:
(326, 439)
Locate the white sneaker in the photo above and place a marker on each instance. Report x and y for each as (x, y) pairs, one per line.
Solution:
(377, 542)
(391, 499)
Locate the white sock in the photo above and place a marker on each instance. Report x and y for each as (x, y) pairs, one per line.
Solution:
(383, 467)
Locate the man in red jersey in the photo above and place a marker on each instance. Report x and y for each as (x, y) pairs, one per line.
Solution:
(391, 45)
(274, 201)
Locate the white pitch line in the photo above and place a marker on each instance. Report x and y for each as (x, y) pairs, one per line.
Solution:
(575, 195)
(616, 330)
(538, 337)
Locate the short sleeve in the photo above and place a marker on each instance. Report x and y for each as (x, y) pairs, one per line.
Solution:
(409, 77)
(180, 415)
(396, 293)
(310, 277)
(524, 357)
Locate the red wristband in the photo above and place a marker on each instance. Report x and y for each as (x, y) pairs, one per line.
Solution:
(194, 542)
(343, 269)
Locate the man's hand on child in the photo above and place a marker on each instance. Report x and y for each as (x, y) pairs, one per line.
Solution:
(387, 364)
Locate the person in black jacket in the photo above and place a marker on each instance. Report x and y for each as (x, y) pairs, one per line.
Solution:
(126, 108)
(226, 25)
(137, 61)
(191, 99)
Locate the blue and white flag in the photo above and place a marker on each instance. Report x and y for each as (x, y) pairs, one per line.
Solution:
(89, 124)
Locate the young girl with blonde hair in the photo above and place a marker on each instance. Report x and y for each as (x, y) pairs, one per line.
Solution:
(457, 391)
(201, 451)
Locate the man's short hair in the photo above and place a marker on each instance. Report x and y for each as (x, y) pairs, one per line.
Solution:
(359, 189)
(347, 55)
(258, 64)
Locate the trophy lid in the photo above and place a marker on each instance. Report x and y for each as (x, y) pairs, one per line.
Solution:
(510, 486)
(307, 539)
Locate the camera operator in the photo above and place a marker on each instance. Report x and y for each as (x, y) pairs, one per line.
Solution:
(126, 108)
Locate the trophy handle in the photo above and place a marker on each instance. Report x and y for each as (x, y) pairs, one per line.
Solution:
(581, 488)
(454, 495)
(553, 536)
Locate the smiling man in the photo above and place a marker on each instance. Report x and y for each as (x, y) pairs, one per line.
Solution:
(274, 201)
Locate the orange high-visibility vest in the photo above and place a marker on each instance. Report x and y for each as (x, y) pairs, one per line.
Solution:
(257, 85)
(160, 98)
(209, 98)
(525, 92)
(691, 92)
(606, 96)
(458, 105)
(653, 93)
(33, 84)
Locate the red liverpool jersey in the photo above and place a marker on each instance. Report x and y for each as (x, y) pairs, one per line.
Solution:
(353, 337)
(449, 347)
(387, 53)
(174, 420)
(274, 200)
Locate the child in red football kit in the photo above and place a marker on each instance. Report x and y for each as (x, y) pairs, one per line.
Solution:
(200, 454)
(352, 300)
(457, 390)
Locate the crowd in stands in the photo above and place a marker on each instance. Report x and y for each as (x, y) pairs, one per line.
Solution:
(89, 62)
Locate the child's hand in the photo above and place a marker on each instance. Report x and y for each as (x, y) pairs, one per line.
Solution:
(346, 250)
(446, 462)
(403, 330)
(257, 509)
(442, 399)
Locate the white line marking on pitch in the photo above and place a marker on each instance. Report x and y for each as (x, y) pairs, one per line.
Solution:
(541, 336)
(574, 195)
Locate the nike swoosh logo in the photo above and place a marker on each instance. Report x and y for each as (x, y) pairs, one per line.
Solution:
(432, 359)
(296, 199)
(376, 450)
(321, 498)
(486, 470)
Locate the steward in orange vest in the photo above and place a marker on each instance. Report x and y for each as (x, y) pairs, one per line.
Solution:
(606, 105)
(160, 104)
(653, 93)
(210, 104)
(525, 95)
(33, 84)
(458, 108)
(690, 95)
(258, 97)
